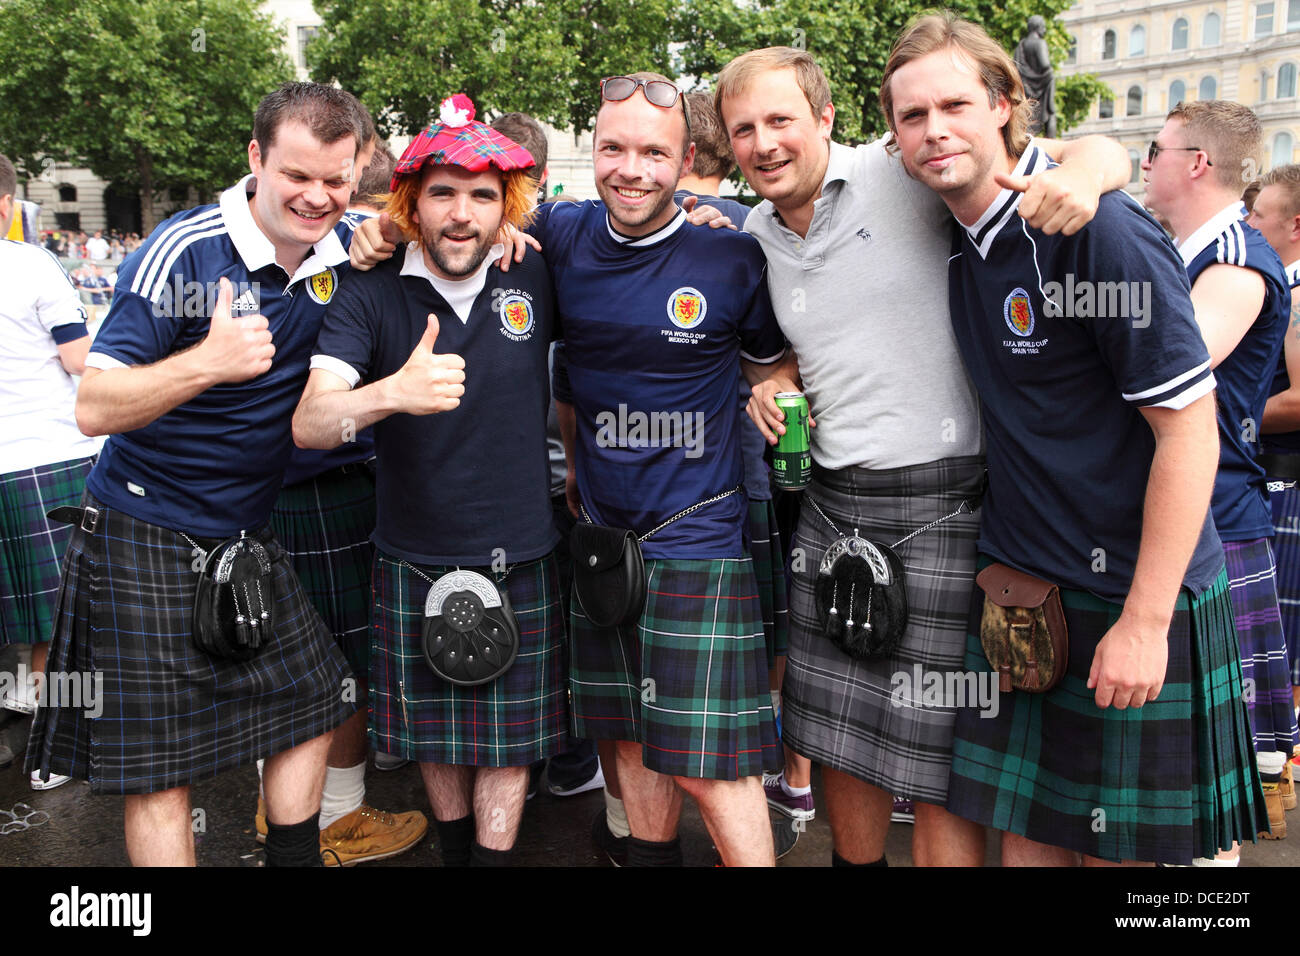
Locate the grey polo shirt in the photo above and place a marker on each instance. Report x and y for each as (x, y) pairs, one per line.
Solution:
(863, 299)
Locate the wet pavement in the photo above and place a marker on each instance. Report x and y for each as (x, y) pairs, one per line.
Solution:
(85, 830)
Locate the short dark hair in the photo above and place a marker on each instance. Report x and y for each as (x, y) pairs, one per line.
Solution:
(376, 177)
(713, 156)
(528, 133)
(330, 113)
(8, 177)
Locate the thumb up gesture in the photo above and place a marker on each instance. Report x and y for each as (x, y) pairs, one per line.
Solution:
(429, 382)
(236, 349)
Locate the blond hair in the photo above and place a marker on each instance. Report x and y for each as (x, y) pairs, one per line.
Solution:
(1288, 177)
(997, 71)
(737, 75)
(1229, 133)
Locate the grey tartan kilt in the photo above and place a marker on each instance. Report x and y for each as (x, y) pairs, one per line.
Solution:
(857, 716)
(165, 713)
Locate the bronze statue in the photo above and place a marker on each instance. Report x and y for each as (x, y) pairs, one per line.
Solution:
(1035, 66)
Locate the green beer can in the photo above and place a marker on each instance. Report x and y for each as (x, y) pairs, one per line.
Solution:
(792, 457)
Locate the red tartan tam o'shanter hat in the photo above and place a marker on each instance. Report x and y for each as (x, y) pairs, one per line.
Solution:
(457, 139)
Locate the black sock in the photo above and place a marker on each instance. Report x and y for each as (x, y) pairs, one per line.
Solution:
(455, 837)
(297, 844)
(482, 856)
(646, 853)
(837, 860)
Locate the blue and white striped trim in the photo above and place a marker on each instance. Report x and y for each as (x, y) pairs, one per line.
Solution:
(1177, 392)
(151, 275)
(1231, 246)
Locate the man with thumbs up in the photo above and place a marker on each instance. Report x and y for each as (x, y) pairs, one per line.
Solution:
(194, 376)
(447, 358)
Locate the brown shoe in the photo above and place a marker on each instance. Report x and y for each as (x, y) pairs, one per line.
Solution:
(368, 834)
(1287, 788)
(1276, 815)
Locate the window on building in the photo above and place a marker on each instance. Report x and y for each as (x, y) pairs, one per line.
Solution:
(1072, 56)
(1283, 148)
(1135, 165)
(1208, 90)
(1210, 30)
(1177, 93)
(67, 194)
(305, 36)
(1137, 41)
(1134, 107)
(1105, 108)
(1286, 81)
(1263, 19)
(1292, 15)
(1108, 45)
(1179, 41)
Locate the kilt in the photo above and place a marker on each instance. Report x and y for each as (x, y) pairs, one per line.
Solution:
(171, 714)
(1286, 549)
(325, 523)
(1265, 676)
(689, 682)
(845, 713)
(769, 571)
(1173, 780)
(31, 546)
(517, 719)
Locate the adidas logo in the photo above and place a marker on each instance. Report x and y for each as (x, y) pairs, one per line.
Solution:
(247, 302)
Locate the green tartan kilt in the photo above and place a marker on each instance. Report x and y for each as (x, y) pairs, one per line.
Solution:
(689, 680)
(1167, 782)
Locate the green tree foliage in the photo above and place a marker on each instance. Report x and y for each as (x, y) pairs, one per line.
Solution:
(147, 93)
(402, 59)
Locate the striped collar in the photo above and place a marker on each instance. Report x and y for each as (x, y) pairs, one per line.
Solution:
(985, 229)
(1210, 230)
(661, 233)
(1293, 274)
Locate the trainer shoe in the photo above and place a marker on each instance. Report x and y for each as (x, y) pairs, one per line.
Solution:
(904, 811)
(785, 834)
(20, 699)
(596, 782)
(389, 761)
(615, 848)
(56, 780)
(368, 834)
(1288, 786)
(798, 808)
(1276, 814)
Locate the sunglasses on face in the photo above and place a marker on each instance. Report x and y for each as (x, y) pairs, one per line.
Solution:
(658, 92)
(1154, 150)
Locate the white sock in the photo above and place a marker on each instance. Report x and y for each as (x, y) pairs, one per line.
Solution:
(616, 816)
(1208, 861)
(793, 791)
(1270, 762)
(261, 793)
(345, 791)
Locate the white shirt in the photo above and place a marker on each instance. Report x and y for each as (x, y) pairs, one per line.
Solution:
(37, 395)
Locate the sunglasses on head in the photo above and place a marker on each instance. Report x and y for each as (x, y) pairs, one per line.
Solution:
(660, 93)
(1154, 150)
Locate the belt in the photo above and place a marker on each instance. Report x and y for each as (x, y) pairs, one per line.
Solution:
(1279, 466)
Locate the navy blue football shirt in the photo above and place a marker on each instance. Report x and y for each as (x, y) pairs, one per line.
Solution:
(654, 329)
(1240, 505)
(212, 466)
(1066, 338)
